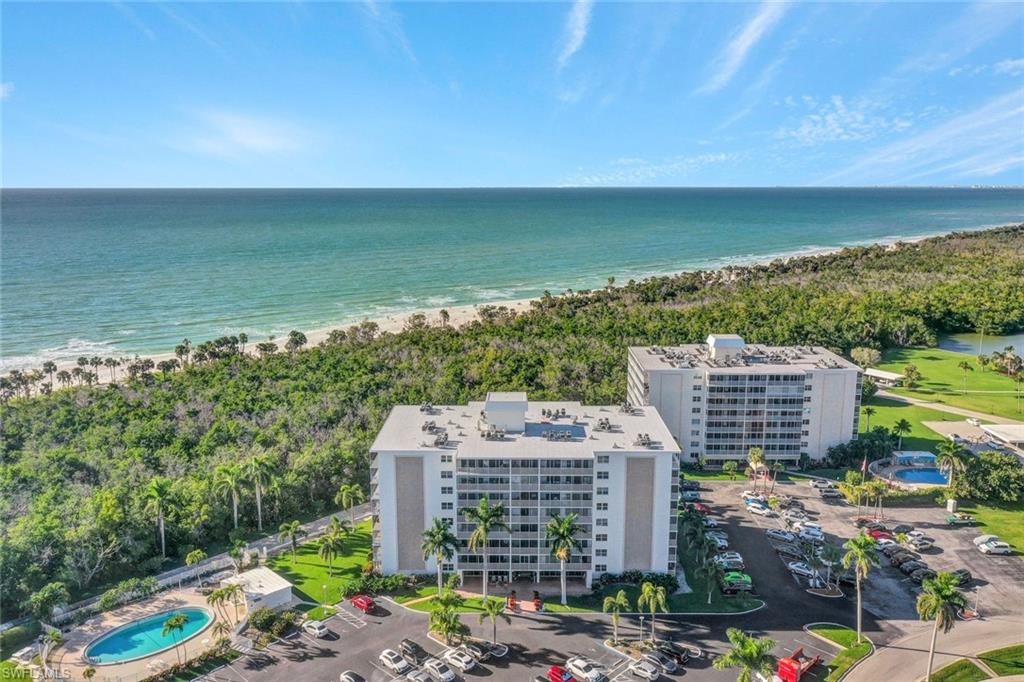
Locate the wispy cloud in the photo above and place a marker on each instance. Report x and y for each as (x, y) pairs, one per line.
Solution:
(225, 134)
(638, 171)
(6, 90)
(973, 146)
(386, 23)
(734, 54)
(1007, 67)
(133, 18)
(192, 27)
(838, 121)
(577, 24)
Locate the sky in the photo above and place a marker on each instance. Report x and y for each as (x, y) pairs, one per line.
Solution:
(372, 94)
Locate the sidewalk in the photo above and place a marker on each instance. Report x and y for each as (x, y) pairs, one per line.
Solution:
(907, 658)
(942, 407)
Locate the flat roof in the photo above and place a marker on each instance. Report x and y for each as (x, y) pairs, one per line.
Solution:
(1008, 433)
(882, 374)
(464, 427)
(260, 580)
(754, 358)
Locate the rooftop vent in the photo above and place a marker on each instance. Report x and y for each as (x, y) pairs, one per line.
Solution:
(643, 440)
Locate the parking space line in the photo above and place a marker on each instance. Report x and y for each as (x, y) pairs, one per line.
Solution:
(807, 645)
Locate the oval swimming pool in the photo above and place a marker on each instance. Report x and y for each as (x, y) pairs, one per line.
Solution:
(145, 637)
(929, 475)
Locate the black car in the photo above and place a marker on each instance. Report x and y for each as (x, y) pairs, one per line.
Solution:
(962, 575)
(687, 484)
(890, 550)
(901, 558)
(478, 651)
(790, 552)
(875, 525)
(922, 574)
(676, 653)
(901, 528)
(911, 566)
(411, 651)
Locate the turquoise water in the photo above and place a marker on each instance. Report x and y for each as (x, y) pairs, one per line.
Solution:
(922, 475)
(975, 344)
(114, 272)
(145, 637)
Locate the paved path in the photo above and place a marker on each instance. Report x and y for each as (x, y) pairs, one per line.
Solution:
(907, 658)
(942, 407)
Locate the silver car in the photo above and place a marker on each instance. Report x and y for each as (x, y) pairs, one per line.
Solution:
(645, 670)
(661, 660)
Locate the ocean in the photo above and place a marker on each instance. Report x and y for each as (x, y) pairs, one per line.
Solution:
(117, 272)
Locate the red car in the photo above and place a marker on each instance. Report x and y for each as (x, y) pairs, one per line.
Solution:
(557, 673)
(363, 603)
(877, 534)
(701, 508)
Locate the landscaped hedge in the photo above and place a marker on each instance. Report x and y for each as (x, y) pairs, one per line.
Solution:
(666, 580)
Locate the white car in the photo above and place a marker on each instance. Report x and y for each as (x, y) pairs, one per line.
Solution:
(751, 495)
(645, 669)
(985, 539)
(720, 542)
(760, 511)
(974, 422)
(349, 676)
(995, 547)
(817, 483)
(315, 628)
(811, 535)
(497, 649)
(419, 676)
(884, 542)
(780, 535)
(439, 670)
(584, 670)
(710, 522)
(804, 525)
(661, 660)
(393, 661)
(795, 515)
(460, 660)
(728, 556)
(800, 568)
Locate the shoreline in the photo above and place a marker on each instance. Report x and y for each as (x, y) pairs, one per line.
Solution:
(462, 314)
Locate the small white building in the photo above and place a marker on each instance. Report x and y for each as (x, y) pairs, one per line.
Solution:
(263, 588)
(1010, 434)
(883, 378)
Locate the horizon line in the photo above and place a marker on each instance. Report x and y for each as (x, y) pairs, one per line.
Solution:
(501, 187)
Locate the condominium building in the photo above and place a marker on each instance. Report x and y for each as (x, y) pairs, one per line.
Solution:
(723, 397)
(616, 467)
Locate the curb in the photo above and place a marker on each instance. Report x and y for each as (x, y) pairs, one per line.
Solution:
(806, 628)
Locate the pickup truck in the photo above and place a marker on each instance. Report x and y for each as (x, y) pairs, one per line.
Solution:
(959, 519)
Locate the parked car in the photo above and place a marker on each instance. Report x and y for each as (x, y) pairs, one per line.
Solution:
(477, 650)
(662, 661)
(748, 503)
(804, 525)
(760, 511)
(886, 542)
(710, 522)
(985, 539)
(735, 581)
(731, 565)
(921, 544)
(393, 661)
(645, 670)
(315, 628)
(892, 548)
(962, 575)
(689, 484)
(863, 521)
(848, 577)
(876, 534)
(911, 566)
(690, 495)
(996, 547)
(720, 542)
(439, 670)
(349, 676)
(419, 676)
(498, 650)
(830, 493)
(363, 602)
(728, 556)
(903, 557)
(780, 535)
(801, 568)
(680, 654)
(460, 660)
(973, 421)
(751, 495)
(922, 574)
(818, 483)
(557, 673)
(811, 535)
(790, 552)
(701, 508)
(717, 534)
(901, 528)
(585, 670)
(411, 651)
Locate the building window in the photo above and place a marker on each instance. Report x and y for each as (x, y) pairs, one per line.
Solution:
(695, 410)
(602, 475)
(601, 537)
(695, 432)
(447, 506)
(602, 506)
(601, 552)
(695, 422)
(603, 459)
(697, 398)
(447, 567)
(446, 459)
(600, 568)
(446, 474)
(447, 490)
(602, 491)
(601, 522)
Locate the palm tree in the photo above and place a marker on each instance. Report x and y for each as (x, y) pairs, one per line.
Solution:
(730, 468)
(194, 557)
(965, 367)
(49, 367)
(900, 429)
(111, 364)
(952, 459)
(752, 655)
(329, 547)
(89, 673)
(831, 556)
(156, 495)
(939, 601)
(339, 527)
(868, 413)
(221, 630)
(291, 531)
(64, 377)
(173, 626)
(216, 600)
(258, 471)
(494, 609)
(861, 554)
(561, 533)
(755, 458)
(446, 622)
(440, 542)
(228, 479)
(653, 597)
(616, 605)
(349, 495)
(708, 569)
(487, 519)
(237, 555)
(231, 593)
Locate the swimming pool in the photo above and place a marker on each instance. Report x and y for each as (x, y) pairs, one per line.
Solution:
(929, 475)
(144, 637)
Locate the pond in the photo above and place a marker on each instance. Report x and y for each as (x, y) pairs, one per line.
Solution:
(972, 343)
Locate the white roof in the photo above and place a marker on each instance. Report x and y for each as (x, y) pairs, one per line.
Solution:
(882, 374)
(259, 581)
(726, 341)
(506, 397)
(753, 358)
(403, 431)
(1008, 433)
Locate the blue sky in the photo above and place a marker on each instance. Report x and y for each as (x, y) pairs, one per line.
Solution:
(501, 94)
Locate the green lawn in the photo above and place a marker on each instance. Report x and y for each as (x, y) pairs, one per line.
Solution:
(9, 670)
(205, 668)
(309, 573)
(419, 592)
(851, 653)
(959, 671)
(711, 474)
(834, 474)
(942, 381)
(1008, 661)
(320, 612)
(15, 638)
(1003, 519)
(888, 412)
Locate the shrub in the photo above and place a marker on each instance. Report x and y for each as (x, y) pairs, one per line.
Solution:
(263, 619)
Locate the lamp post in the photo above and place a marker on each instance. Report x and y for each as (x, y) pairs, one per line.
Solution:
(325, 594)
(641, 628)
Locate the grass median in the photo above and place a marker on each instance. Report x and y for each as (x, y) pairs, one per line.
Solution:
(851, 653)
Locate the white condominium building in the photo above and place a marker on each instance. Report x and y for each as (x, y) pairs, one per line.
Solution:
(616, 467)
(723, 397)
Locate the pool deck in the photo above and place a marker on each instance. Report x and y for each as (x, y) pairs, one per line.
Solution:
(70, 656)
(887, 473)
